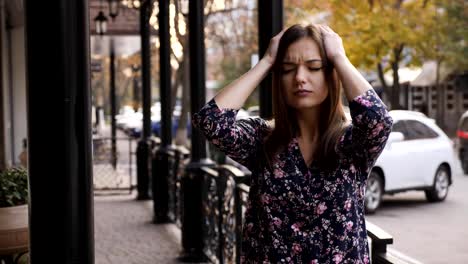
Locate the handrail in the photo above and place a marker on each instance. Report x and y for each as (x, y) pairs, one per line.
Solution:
(378, 244)
(232, 170)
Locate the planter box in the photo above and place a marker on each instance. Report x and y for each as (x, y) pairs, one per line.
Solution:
(14, 234)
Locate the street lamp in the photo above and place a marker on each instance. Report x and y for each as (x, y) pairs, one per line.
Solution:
(113, 8)
(101, 23)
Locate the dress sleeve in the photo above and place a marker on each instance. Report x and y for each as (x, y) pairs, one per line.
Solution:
(239, 139)
(365, 139)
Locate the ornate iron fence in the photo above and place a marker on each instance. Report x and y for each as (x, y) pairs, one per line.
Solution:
(225, 195)
(114, 165)
(179, 158)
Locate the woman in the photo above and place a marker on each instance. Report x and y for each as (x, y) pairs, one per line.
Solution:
(310, 166)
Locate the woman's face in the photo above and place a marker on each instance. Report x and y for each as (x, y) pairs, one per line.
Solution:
(302, 76)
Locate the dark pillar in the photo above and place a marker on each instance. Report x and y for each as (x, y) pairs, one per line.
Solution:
(192, 182)
(60, 158)
(2, 121)
(113, 104)
(136, 98)
(144, 149)
(161, 157)
(270, 23)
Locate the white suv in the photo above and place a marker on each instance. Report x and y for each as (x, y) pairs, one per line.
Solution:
(418, 156)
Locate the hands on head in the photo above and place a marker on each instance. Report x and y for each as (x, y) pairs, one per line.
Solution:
(332, 42)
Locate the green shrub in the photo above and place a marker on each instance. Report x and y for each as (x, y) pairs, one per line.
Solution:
(13, 187)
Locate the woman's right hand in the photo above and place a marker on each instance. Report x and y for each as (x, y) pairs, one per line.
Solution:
(270, 54)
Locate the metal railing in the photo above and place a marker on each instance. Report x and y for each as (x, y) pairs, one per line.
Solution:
(225, 198)
(114, 165)
(179, 158)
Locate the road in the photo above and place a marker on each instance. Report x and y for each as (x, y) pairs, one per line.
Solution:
(428, 232)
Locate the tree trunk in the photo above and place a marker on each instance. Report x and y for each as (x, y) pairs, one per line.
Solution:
(395, 101)
(440, 97)
(385, 89)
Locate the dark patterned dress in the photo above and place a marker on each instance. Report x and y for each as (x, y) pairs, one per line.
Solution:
(299, 213)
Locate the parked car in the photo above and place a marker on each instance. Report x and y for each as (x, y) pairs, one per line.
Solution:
(462, 141)
(418, 156)
(156, 127)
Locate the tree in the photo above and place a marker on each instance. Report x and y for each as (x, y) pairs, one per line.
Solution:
(376, 34)
(444, 32)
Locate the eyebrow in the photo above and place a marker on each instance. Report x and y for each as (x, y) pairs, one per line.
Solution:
(307, 61)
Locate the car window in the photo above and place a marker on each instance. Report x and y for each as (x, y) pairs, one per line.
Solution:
(399, 126)
(418, 130)
(464, 124)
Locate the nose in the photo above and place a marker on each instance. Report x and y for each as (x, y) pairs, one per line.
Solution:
(300, 75)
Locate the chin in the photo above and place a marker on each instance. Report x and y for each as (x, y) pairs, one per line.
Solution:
(305, 104)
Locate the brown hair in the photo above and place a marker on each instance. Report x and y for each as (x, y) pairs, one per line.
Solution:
(331, 122)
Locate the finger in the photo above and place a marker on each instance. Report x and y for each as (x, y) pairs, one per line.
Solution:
(322, 27)
(281, 32)
(329, 29)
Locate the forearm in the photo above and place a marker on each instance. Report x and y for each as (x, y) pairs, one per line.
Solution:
(235, 94)
(354, 84)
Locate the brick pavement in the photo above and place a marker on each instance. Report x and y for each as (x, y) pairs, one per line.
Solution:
(125, 234)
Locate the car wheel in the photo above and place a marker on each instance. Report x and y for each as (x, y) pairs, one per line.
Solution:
(440, 188)
(374, 192)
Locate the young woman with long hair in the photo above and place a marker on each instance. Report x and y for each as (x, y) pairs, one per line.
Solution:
(310, 163)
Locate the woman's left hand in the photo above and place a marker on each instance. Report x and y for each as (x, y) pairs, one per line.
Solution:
(333, 44)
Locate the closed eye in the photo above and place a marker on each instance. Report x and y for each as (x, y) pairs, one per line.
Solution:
(288, 70)
(314, 68)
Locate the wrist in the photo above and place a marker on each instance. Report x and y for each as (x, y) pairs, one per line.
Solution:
(267, 60)
(339, 60)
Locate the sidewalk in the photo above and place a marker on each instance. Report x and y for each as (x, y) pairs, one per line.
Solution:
(124, 233)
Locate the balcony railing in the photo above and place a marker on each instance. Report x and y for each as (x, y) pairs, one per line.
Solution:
(225, 193)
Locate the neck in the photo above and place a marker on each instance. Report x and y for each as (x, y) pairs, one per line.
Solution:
(308, 122)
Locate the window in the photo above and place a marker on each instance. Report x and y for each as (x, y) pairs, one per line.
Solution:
(399, 126)
(464, 124)
(418, 130)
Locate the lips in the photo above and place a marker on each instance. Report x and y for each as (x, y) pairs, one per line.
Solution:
(302, 92)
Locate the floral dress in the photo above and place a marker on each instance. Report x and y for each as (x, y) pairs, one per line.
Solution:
(298, 213)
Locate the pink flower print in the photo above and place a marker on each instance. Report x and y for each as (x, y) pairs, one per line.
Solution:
(265, 199)
(377, 129)
(296, 248)
(348, 204)
(352, 168)
(314, 261)
(366, 259)
(276, 243)
(277, 222)
(337, 258)
(374, 149)
(320, 208)
(279, 173)
(349, 225)
(249, 227)
(296, 227)
(364, 102)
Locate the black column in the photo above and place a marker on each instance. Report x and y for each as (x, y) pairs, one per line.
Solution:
(161, 173)
(193, 240)
(113, 104)
(270, 23)
(136, 97)
(60, 158)
(144, 148)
